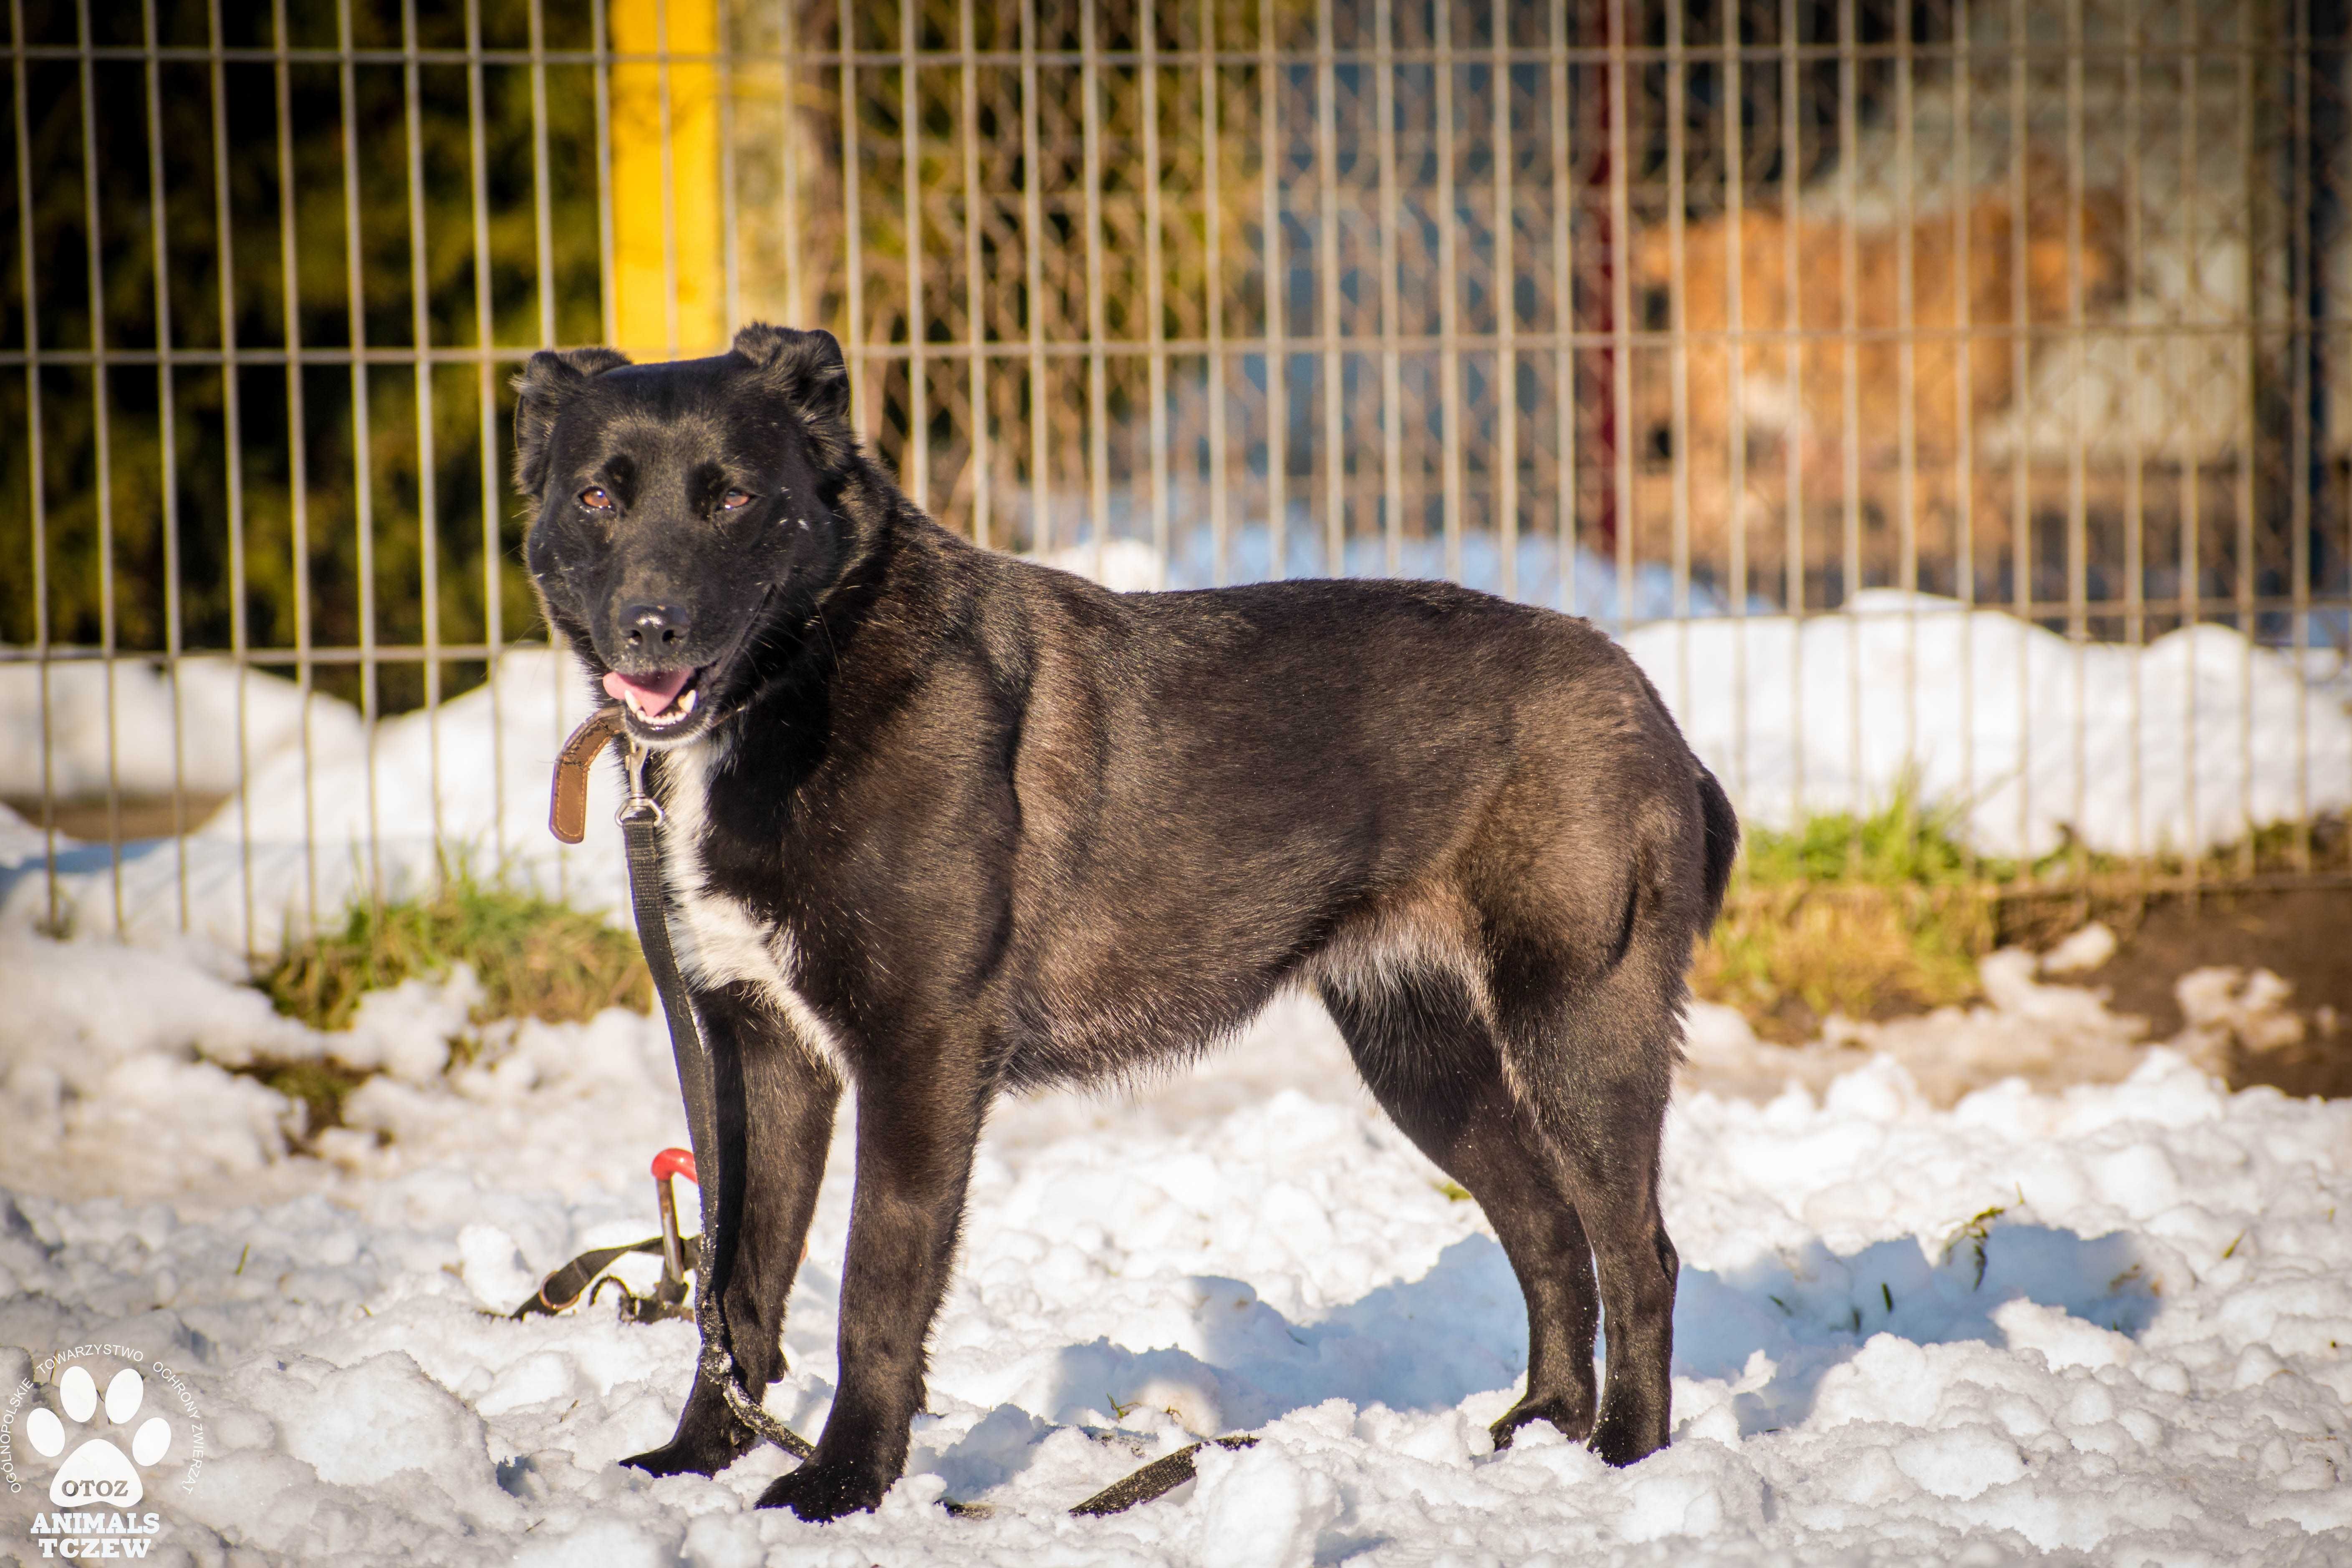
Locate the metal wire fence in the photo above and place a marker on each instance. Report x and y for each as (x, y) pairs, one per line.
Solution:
(1766, 330)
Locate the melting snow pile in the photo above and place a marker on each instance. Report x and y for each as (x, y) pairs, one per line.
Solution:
(2182, 744)
(324, 813)
(2106, 1324)
(2179, 745)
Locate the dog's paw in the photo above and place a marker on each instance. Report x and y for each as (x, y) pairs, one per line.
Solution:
(703, 1452)
(708, 1440)
(675, 1459)
(1623, 1440)
(1573, 1419)
(819, 1492)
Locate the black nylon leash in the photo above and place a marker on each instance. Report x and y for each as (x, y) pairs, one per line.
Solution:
(640, 819)
(561, 1290)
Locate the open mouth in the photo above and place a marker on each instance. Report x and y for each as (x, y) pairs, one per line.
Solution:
(658, 702)
(662, 702)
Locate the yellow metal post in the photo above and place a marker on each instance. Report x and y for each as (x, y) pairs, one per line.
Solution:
(669, 285)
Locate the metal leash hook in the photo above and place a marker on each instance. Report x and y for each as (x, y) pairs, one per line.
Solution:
(640, 807)
(667, 1298)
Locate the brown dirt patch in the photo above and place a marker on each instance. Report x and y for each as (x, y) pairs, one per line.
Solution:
(139, 816)
(2304, 935)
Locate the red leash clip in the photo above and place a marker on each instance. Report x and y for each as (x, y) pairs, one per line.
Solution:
(667, 1164)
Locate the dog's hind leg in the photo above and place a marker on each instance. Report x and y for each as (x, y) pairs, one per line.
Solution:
(1594, 1064)
(776, 1100)
(1431, 1061)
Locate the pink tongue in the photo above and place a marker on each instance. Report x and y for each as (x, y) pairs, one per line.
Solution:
(655, 692)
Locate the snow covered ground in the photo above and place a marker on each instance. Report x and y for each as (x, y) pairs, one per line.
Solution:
(2002, 1283)
(2103, 1324)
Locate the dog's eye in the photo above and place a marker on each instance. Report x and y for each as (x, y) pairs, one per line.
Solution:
(735, 500)
(594, 499)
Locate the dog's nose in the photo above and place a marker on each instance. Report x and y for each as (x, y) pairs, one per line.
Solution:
(655, 629)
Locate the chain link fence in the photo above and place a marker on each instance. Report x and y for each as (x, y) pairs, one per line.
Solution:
(1946, 400)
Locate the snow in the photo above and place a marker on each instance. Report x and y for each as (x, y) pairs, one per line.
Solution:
(2181, 744)
(1994, 1283)
(2185, 744)
(139, 747)
(2085, 950)
(311, 830)
(2099, 1321)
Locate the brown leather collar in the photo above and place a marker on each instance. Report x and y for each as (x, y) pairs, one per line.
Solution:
(567, 813)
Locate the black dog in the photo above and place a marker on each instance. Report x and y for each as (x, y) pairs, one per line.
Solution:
(941, 823)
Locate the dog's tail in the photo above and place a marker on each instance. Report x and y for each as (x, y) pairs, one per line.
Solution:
(1722, 842)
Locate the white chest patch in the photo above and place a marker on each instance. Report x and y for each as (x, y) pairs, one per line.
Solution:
(719, 940)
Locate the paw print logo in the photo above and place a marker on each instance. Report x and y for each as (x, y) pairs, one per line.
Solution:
(98, 1475)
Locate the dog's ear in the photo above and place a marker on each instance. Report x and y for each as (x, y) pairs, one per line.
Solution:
(547, 383)
(807, 367)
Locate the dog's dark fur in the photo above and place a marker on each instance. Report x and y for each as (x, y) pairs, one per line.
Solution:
(944, 822)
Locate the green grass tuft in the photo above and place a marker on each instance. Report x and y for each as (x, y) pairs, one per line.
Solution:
(319, 1086)
(1867, 916)
(1904, 843)
(534, 957)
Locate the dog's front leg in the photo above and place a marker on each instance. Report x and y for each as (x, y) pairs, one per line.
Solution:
(917, 1121)
(776, 1097)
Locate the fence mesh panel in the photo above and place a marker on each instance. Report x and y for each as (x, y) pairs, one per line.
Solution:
(1944, 395)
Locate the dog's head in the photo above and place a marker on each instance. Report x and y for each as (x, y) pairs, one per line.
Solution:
(682, 509)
